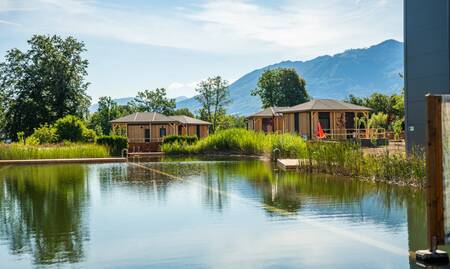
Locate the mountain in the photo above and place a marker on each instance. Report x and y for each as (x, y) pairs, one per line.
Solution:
(356, 71)
(126, 100)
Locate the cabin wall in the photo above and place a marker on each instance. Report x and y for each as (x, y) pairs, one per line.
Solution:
(256, 124)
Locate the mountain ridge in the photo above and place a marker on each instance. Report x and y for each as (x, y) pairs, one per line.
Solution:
(360, 72)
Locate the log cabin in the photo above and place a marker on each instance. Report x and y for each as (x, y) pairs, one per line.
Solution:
(338, 119)
(269, 120)
(145, 131)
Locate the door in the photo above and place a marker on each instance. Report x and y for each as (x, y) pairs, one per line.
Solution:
(350, 123)
(147, 135)
(198, 131)
(297, 122)
(324, 119)
(267, 125)
(180, 130)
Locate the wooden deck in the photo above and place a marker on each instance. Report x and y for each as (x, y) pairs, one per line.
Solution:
(58, 161)
(288, 164)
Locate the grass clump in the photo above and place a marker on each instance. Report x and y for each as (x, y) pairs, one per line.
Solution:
(241, 141)
(17, 151)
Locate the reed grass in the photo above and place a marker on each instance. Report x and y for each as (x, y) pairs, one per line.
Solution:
(18, 151)
(241, 141)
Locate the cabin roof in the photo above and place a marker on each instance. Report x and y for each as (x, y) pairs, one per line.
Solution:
(269, 112)
(325, 105)
(154, 117)
(188, 120)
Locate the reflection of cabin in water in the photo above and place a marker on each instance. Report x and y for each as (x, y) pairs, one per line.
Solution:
(146, 130)
(336, 118)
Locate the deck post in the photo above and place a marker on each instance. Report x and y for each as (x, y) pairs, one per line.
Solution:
(435, 183)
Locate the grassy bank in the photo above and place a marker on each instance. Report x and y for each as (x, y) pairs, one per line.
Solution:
(340, 158)
(59, 151)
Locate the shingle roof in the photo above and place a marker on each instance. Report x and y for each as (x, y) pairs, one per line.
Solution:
(144, 117)
(154, 117)
(188, 120)
(269, 112)
(325, 104)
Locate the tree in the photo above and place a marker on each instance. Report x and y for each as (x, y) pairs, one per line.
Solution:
(391, 105)
(42, 84)
(108, 110)
(213, 96)
(281, 87)
(154, 101)
(183, 111)
(231, 121)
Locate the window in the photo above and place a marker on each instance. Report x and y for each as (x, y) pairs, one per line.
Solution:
(162, 132)
(180, 130)
(147, 135)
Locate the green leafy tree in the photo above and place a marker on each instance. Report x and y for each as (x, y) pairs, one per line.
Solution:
(108, 110)
(154, 101)
(281, 87)
(391, 105)
(43, 84)
(183, 111)
(213, 96)
(231, 121)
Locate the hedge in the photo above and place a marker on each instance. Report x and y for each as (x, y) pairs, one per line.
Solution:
(115, 143)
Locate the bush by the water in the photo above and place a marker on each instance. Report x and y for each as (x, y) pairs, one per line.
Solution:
(241, 141)
(18, 151)
(180, 139)
(114, 142)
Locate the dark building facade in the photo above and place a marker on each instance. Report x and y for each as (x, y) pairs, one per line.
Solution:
(426, 34)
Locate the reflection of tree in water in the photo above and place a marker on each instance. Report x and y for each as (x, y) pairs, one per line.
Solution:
(214, 180)
(326, 195)
(42, 212)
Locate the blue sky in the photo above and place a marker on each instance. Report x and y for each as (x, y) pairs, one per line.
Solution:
(137, 44)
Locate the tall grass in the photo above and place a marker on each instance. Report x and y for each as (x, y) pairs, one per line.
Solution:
(241, 141)
(340, 158)
(348, 159)
(60, 151)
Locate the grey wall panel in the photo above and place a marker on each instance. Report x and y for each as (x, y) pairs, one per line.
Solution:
(426, 61)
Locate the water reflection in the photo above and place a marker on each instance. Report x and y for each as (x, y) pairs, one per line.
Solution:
(42, 212)
(44, 209)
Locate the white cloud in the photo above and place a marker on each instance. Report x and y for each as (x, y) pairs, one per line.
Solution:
(309, 27)
(177, 89)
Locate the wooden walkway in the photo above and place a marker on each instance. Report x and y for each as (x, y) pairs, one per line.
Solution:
(57, 161)
(288, 164)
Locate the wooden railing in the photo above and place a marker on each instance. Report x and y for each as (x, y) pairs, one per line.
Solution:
(342, 134)
(143, 140)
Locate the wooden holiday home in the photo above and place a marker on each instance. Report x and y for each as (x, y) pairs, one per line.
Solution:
(269, 120)
(337, 119)
(146, 130)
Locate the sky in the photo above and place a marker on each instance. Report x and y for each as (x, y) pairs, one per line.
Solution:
(134, 45)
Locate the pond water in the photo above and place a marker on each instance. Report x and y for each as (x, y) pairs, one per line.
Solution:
(202, 214)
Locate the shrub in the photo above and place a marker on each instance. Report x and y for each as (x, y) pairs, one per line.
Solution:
(32, 140)
(89, 135)
(70, 128)
(180, 139)
(46, 134)
(115, 143)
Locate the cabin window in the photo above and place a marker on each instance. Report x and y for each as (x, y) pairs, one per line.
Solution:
(180, 130)
(198, 131)
(324, 119)
(162, 132)
(147, 135)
